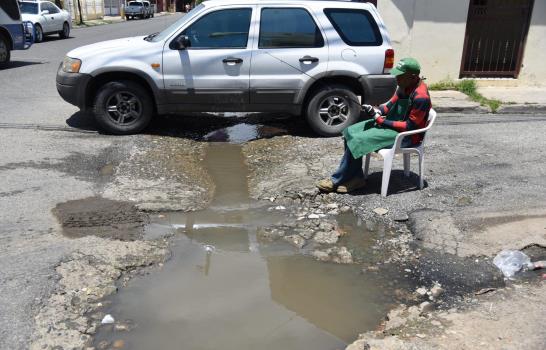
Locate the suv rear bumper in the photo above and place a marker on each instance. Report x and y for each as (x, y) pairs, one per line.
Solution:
(72, 87)
(378, 88)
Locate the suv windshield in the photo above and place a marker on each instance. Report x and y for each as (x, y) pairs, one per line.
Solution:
(176, 25)
(135, 3)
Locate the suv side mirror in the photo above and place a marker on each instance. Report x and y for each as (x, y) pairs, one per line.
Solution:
(44, 12)
(180, 43)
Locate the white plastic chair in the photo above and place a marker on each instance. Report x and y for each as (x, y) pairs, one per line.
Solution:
(388, 155)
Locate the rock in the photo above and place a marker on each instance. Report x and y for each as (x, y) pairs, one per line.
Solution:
(280, 207)
(103, 345)
(306, 233)
(436, 323)
(344, 256)
(413, 313)
(296, 240)
(326, 226)
(401, 217)
(436, 291)
(270, 233)
(320, 255)
(380, 211)
(333, 212)
(421, 291)
(419, 335)
(313, 216)
(108, 319)
(345, 209)
(323, 237)
(425, 307)
(332, 206)
(118, 344)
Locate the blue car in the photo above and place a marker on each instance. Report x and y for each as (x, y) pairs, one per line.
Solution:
(14, 33)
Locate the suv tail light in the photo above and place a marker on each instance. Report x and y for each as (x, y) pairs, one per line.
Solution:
(389, 60)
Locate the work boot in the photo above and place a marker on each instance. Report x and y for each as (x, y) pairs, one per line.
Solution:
(326, 185)
(351, 185)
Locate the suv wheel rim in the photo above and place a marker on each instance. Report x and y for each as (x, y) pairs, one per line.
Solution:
(334, 110)
(38, 34)
(124, 108)
(3, 51)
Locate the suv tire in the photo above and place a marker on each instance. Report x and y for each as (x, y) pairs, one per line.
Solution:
(39, 33)
(65, 33)
(123, 107)
(331, 109)
(5, 52)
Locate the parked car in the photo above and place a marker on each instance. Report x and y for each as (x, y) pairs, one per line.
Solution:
(47, 18)
(141, 9)
(14, 34)
(316, 58)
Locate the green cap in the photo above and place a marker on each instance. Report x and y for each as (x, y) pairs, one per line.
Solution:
(406, 65)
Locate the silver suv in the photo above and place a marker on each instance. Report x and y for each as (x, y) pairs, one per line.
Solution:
(319, 59)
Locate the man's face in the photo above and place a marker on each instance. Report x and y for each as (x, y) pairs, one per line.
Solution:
(407, 79)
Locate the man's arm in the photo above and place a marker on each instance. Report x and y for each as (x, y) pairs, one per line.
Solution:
(385, 107)
(418, 112)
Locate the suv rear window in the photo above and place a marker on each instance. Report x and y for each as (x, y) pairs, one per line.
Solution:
(288, 28)
(355, 27)
(134, 3)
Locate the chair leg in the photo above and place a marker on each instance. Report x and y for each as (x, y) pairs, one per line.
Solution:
(387, 166)
(406, 164)
(367, 166)
(421, 170)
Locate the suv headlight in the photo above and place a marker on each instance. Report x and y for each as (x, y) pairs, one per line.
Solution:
(71, 65)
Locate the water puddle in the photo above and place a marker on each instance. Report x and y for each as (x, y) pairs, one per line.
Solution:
(225, 288)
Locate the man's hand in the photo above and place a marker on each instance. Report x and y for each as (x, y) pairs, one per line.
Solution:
(369, 110)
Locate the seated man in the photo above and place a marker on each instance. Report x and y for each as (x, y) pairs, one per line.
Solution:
(407, 110)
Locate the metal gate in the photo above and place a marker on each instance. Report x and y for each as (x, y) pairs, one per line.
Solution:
(112, 7)
(495, 37)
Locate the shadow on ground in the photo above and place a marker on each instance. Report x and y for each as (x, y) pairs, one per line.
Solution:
(234, 127)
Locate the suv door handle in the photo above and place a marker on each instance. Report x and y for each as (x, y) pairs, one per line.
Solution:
(232, 60)
(308, 59)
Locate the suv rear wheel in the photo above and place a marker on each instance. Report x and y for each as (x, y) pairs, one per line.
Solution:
(4, 51)
(331, 109)
(123, 107)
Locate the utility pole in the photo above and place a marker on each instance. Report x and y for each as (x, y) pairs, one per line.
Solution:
(80, 12)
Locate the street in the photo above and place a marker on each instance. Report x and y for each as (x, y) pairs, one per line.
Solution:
(61, 253)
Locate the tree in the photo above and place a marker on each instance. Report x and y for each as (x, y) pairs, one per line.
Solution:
(80, 11)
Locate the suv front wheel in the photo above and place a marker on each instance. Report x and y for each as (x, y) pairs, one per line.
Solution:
(331, 109)
(123, 107)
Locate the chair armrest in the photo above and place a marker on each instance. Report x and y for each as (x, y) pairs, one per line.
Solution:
(401, 135)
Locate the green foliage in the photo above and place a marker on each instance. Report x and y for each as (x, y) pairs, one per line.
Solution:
(469, 88)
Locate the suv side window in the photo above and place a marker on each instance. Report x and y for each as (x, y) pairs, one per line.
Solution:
(220, 29)
(288, 28)
(355, 27)
(52, 8)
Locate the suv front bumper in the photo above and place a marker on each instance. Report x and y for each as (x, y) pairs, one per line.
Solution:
(378, 89)
(72, 87)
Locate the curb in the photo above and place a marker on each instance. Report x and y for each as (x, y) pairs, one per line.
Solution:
(459, 110)
(113, 20)
(521, 109)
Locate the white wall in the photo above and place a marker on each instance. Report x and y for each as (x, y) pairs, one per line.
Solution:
(533, 71)
(433, 32)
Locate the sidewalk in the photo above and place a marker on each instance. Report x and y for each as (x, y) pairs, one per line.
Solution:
(110, 20)
(526, 100)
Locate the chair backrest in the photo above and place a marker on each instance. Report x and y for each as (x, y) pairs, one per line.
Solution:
(431, 118)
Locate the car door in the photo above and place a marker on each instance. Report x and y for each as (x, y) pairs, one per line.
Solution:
(215, 69)
(46, 20)
(56, 16)
(289, 51)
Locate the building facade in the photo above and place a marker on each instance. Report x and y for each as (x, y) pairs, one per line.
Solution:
(496, 41)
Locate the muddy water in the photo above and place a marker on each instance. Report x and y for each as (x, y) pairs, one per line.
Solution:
(223, 289)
